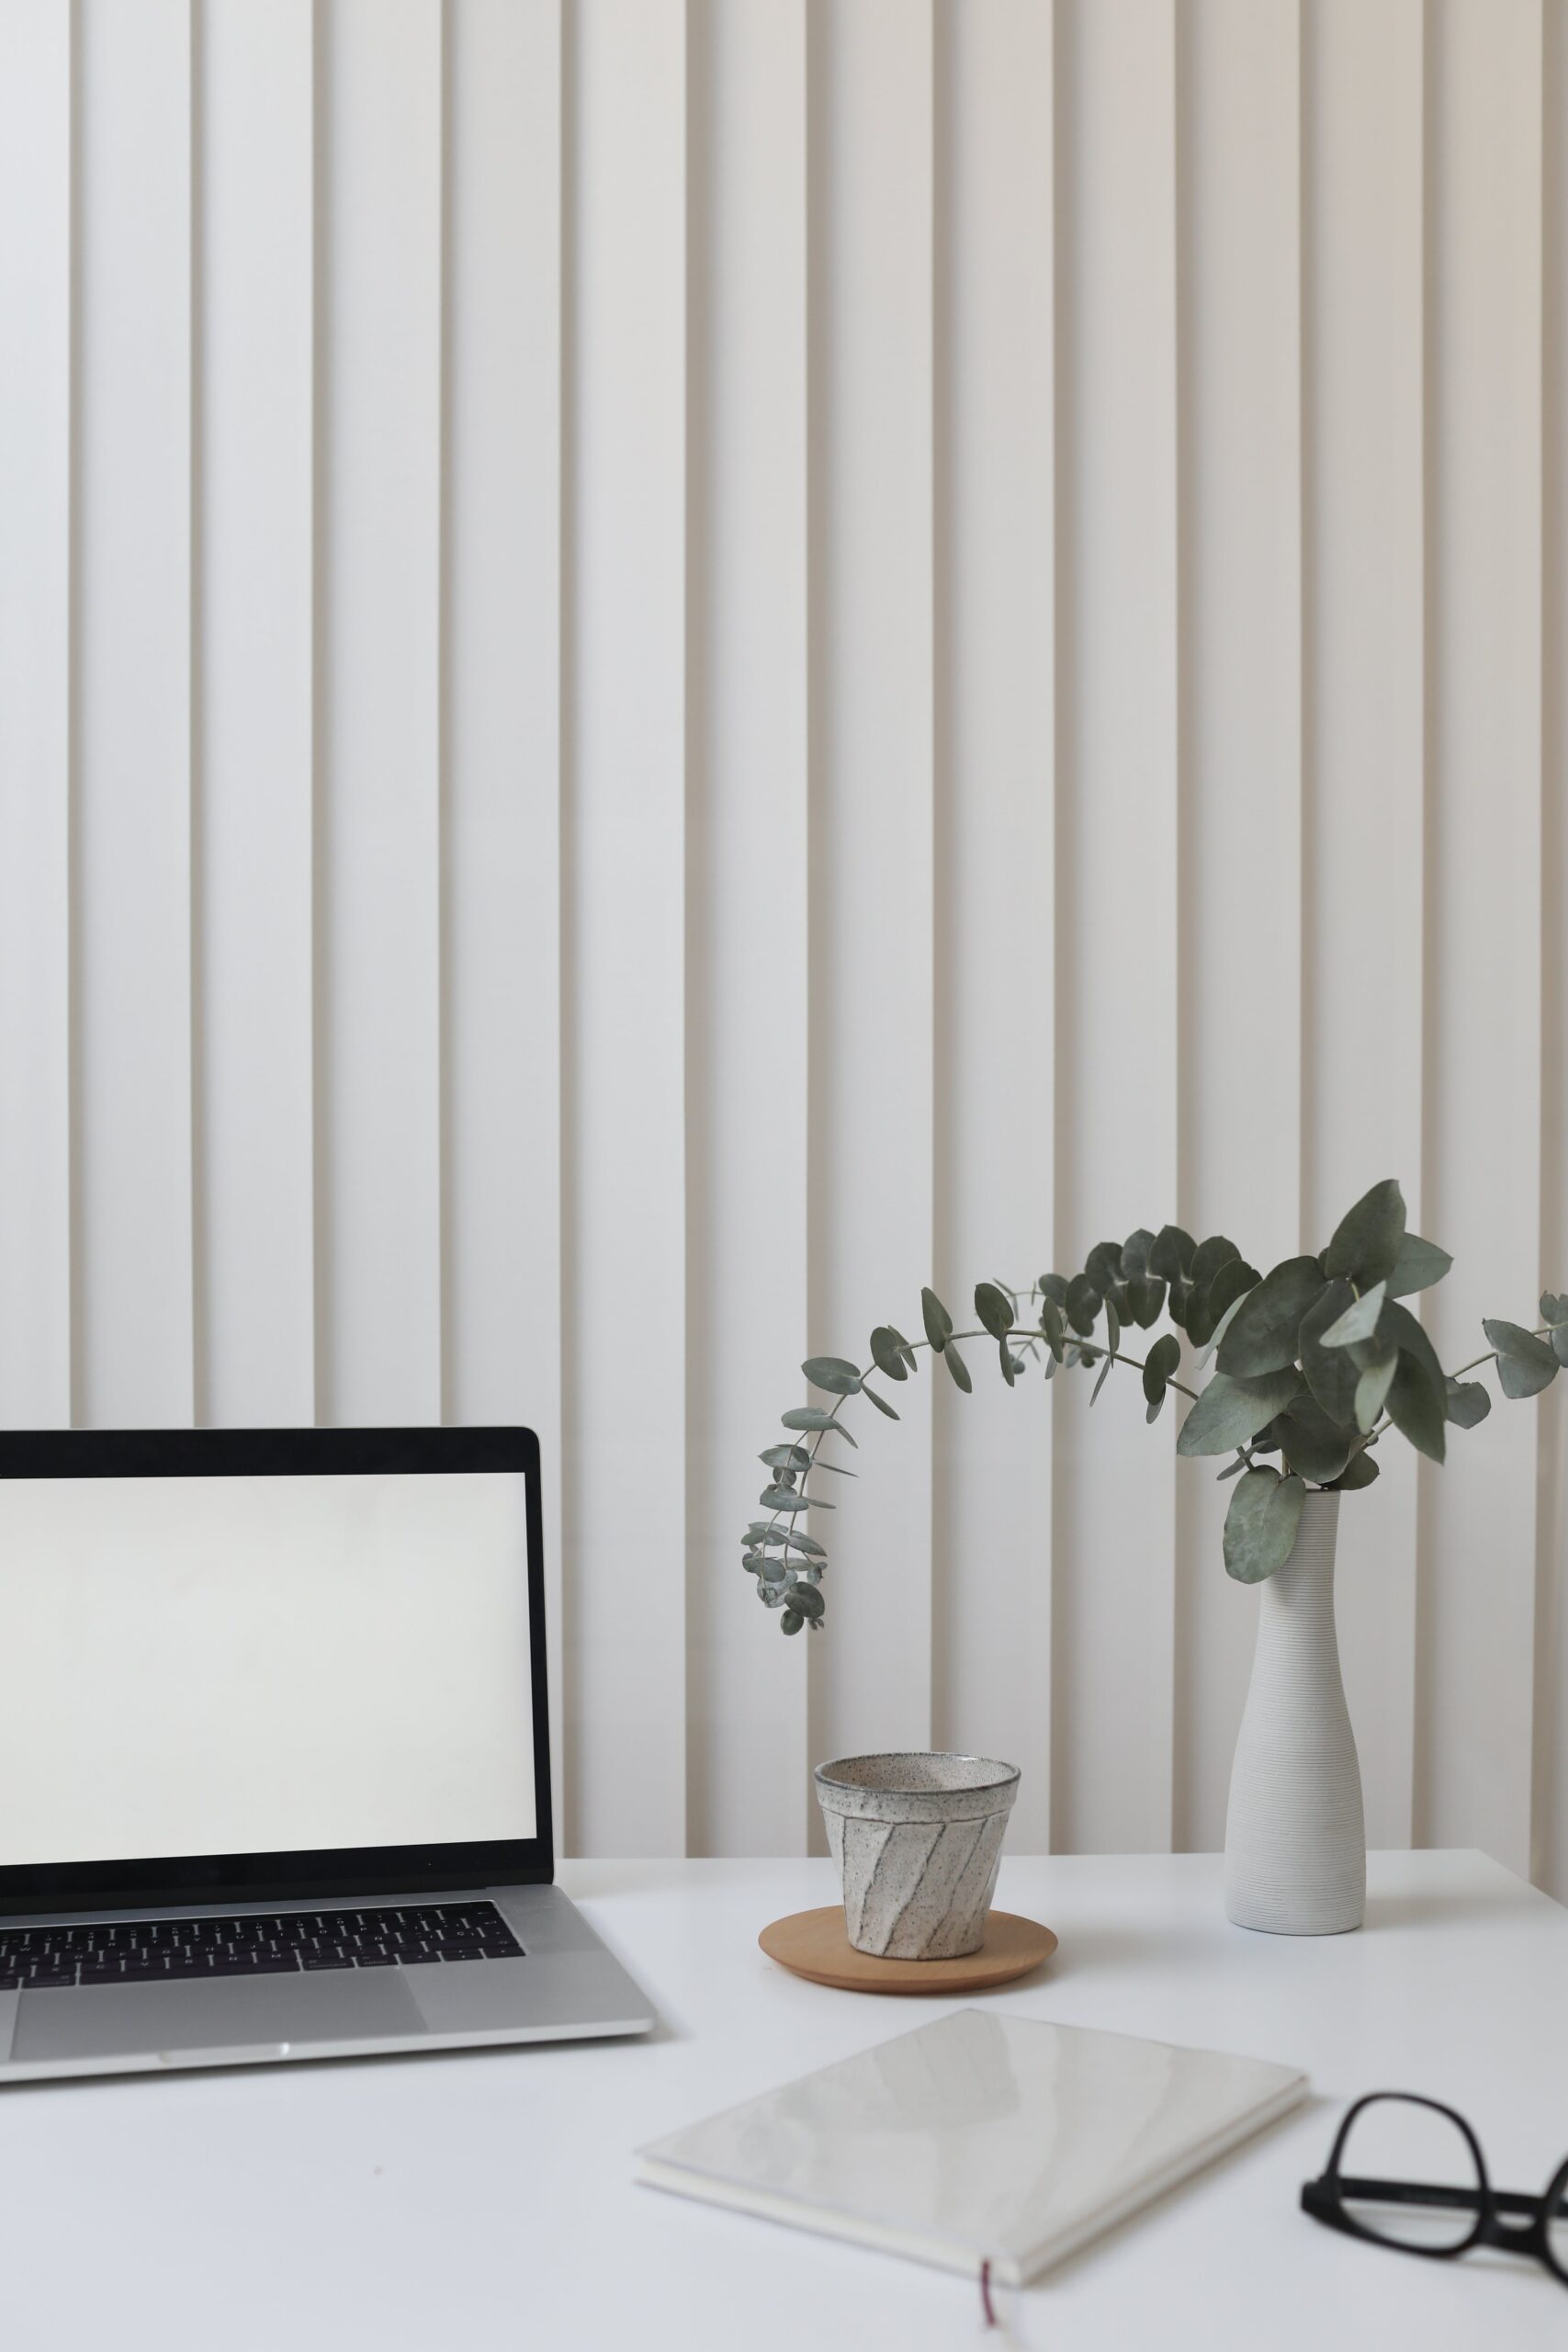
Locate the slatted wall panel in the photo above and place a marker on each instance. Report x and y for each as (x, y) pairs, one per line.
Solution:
(669, 665)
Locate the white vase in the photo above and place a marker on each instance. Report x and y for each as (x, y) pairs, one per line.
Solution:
(1295, 1838)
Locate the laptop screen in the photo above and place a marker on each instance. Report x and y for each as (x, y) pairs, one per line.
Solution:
(251, 1665)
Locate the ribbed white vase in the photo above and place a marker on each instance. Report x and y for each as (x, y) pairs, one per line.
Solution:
(1295, 1838)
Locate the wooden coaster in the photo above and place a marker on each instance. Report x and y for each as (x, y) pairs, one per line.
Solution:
(813, 1944)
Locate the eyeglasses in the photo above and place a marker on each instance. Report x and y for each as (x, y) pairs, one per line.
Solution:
(1408, 2173)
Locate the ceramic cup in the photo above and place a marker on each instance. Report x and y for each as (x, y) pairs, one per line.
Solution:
(917, 1839)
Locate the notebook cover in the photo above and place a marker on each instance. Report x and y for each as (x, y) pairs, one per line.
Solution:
(981, 2136)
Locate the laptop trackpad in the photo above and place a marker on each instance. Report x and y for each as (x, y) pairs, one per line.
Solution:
(111, 2021)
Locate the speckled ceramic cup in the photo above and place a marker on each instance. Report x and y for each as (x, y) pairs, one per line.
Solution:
(917, 1839)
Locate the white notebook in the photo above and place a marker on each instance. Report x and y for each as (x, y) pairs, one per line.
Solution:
(981, 2136)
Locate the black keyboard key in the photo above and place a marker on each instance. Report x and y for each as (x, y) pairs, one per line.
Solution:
(453, 1952)
(9, 1983)
(326, 1959)
(374, 1960)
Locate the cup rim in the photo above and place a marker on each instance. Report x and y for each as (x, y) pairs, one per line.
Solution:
(835, 1774)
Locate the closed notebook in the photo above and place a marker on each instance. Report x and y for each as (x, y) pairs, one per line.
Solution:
(979, 2137)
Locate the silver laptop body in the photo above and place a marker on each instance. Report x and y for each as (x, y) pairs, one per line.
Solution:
(273, 1753)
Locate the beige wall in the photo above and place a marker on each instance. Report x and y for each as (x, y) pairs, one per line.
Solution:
(664, 668)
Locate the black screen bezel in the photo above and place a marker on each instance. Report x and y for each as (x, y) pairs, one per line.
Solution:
(337, 1872)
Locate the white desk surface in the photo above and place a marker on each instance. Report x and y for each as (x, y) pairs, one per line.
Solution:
(486, 2199)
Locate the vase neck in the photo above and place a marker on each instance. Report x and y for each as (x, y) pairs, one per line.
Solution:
(1305, 1582)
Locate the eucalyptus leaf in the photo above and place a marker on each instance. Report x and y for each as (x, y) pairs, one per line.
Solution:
(880, 1402)
(1084, 1302)
(1207, 1257)
(1359, 1471)
(1218, 1333)
(1359, 1320)
(835, 1373)
(1178, 1298)
(959, 1369)
(1398, 1324)
(1010, 1368)
(1553, 1309)
(1171, 1257)
(1112, 1326)
(887, 1354)
(1054, 1287)
(1365, 1240)
(785, 1457)
(1135, 1254)
(1467, 1403)
(1235, 1279)
(1372, 1386)
(1103, 1266)
(1105, 1371)
(1264, 1333)
(994, 1308)
(808, 1600)
(790, 1498)
(1052, 1324)
(1560, 1341)
(1415, 1410)
(1155, 1404)
(1525, 1365)
(1312, 1444)
(1158, 1365)
(1231, 1411)
(1232, 1469)
(812, 1417)
(791, 1621)
(1418, 1265)
(938, 1322)
(1261, 1525)
(1146, 1296)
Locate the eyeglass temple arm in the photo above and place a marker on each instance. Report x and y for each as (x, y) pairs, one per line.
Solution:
(1408, 2192)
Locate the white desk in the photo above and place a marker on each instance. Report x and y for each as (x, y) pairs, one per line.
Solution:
(485, 2200)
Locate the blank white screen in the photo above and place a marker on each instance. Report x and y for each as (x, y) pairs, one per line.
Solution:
(262, 1665)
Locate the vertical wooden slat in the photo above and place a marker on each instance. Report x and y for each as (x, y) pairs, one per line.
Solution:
(255, 605)
(747, 821)
(1550, 1847)
(1365, 821)
(1240, 948)
(378, 1355)
(35, 714)
(132, 901)
(871, 653)
(995, 845)
(625, 947)
(1116, 894)
(502, 668)
(1477, 1604)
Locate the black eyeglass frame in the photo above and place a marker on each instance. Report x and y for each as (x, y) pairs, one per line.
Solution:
(1323, 2198)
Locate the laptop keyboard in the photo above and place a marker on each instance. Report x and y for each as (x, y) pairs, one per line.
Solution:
(156, 1951)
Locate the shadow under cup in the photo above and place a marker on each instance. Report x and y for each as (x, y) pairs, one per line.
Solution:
(918, 1839)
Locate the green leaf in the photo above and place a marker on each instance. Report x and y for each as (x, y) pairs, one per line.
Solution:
(835, 1373)
(1261, 1525)
(1554, 1310)
(1158, 1365)
(880, 1402)
(1560, 1342)
(1418, 1265)
(1084, 1302)
(1207, 1257)
(1112, 1326)
(1232, 1469)
(812, 1417)
(1235, 1279)
(1135, 1254)
(1359, 1320)
(785, 1457)
(1230, 1411)
(1413, 1409)
(938, 1322)
(792, 1621)
(959, 1370)
(1146, 1296)
(1054, 1287)
(1372, 1386)
(899, 1341)
(1331, 1374)
(1319, 1448)
(1053, 1328)
(1359, 1471)
(1467, 1403)
(1218, 1333)
(1103, 1266)
(888, 1353)
(1105, 1371)
(1365, 1240)
(791, 1498)
(806, 1601)
(1178, 1300)
(1010, 1368)
(994, 1308)
(1525, 1365)
(1266, 1332)
(1171, 1257)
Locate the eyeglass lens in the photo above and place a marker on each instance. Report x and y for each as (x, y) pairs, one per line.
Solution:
(1398, 2141)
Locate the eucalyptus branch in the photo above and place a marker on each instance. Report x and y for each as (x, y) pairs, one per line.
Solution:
(1315, 1362)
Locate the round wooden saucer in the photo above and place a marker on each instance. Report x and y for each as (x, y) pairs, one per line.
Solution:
(813, 1944)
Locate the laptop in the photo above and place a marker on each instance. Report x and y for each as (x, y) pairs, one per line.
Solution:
(274, 1777)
